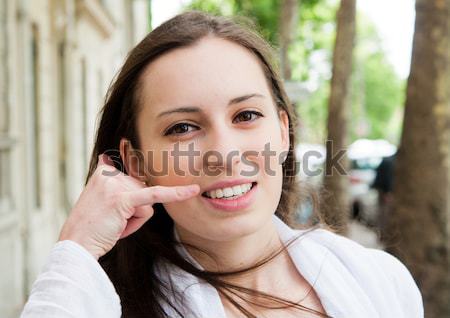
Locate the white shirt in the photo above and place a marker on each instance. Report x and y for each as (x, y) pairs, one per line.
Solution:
(350, 280)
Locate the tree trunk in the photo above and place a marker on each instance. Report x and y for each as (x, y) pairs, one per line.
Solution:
(336, 205)
(418, 229)
(288, 25)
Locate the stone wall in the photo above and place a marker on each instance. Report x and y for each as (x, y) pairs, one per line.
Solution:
(57, 58)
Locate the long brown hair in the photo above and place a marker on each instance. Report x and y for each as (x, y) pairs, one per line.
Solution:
(131, 263)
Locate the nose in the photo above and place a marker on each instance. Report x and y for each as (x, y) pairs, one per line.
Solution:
(222, 152)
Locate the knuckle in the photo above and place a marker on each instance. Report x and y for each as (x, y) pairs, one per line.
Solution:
(157, 188)
(153, 195)
(180, 192)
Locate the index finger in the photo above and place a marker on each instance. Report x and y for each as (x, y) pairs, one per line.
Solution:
(162, 194)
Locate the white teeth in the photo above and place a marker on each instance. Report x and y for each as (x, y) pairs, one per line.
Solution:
(237, 190)
(228, 192)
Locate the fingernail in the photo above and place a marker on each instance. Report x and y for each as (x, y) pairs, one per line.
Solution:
(191, 189)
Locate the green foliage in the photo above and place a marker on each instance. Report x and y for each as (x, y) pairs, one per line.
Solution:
(377, 91)
(264, 13)
(314, 37)
(312, 116)
(216, 7)
(311, 55)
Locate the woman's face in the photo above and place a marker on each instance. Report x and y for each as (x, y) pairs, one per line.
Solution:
(208, 117)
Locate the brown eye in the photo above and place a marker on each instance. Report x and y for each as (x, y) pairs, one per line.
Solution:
(247, 116)
(180, 129)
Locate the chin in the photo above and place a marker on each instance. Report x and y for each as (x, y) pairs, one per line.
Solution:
(211, 226)
(230, 229)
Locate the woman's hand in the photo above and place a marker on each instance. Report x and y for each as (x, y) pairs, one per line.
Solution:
(114, 205)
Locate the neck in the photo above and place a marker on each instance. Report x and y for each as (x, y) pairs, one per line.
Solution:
(242, 253)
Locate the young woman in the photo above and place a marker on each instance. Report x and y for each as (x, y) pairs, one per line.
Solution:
(190, 190)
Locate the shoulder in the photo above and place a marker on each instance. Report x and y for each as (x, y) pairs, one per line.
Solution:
(405, 285)
(377, 272)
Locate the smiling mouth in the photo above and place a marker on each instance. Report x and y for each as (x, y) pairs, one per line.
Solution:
(229, 193)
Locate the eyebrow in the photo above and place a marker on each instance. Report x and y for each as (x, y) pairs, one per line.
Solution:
(194, 109)
(240, 99)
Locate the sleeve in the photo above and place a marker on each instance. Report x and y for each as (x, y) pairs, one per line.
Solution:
(408, 293)
(72, 284)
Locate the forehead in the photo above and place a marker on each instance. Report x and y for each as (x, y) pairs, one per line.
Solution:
(211, 72)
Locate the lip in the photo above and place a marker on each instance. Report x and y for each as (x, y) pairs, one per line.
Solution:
(227, 184)
(237, 204)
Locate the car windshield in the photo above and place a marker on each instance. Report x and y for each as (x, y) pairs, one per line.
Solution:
(365, 163)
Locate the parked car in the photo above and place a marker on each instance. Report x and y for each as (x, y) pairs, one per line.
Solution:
(364, 156)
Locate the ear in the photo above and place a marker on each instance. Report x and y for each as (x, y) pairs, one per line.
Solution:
(132, 159)
(284, 123)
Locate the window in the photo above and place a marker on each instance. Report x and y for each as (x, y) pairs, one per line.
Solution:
(6, 143)
(84, 109)
(62, 96)
(35, 115)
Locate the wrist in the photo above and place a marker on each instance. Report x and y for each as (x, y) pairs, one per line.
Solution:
(95, 252)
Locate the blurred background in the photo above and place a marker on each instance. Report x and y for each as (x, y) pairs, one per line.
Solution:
(370, 81)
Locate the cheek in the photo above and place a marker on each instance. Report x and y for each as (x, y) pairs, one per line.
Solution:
(192, 217)
(270, 164)
(174, 166)
(185, 213)
(270, 153)
(182, 212)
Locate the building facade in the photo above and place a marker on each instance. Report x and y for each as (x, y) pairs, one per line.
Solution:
(57, 59)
